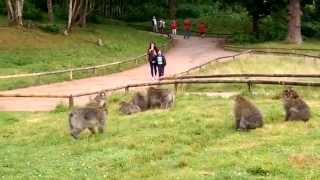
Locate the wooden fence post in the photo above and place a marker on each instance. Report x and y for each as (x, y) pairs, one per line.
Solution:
(94, 70)
(71, 102)
(249, 86)
(126, 89)
(71, 75)
(176, 88)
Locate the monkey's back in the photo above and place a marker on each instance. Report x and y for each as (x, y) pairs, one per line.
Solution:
(244, 110)
(86, 117)
(298, 109)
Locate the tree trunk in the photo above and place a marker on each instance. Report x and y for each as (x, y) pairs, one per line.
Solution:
(70, 15)
(294, 24)
(50, 10)
(172, 8)
(15, 12)
(255, 25)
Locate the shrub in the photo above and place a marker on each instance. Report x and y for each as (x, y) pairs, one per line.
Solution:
(311, 29)
(188, 10)
(50, 28)
(273, 28)
(96, 19)
(243, 38)
(31, 12)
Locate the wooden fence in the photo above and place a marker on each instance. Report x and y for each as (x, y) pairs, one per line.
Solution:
(204, 79)
(294, 50)
(93, 69)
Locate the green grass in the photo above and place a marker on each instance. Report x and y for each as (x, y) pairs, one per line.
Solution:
(31, 50)
(194, 140)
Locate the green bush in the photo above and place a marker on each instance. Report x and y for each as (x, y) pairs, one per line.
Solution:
(145, 12)
(96, 19)
(272, 28)
(243, 38)
(31, 12)
(311, 29)
(2, 7)
(188, 10)
(60, 12)
(50, 28)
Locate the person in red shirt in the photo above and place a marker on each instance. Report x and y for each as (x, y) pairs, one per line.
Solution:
(187, 28)
(202, 29)
(174, 27)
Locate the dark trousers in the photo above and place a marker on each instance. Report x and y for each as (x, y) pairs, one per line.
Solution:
(153, 68)
(161, 70)
(187, 34)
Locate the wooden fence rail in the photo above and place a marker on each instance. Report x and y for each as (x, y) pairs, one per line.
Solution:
(72, 70)
(205, 79)
(271, 48)
(243, 76)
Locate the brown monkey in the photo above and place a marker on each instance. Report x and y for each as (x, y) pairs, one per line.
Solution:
(92, 116)
(295, 107)
(141, 101)
(162, 98)
(129, 108)
(247, 115)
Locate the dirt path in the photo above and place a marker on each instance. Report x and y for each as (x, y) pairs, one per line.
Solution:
(184, 55)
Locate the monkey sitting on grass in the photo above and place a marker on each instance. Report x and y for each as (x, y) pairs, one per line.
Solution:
(295, 107)
(246, 114)
(91, 116)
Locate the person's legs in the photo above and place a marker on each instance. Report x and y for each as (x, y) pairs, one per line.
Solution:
(151, 69)
(160, 70)
(189, 33)
(154, 66)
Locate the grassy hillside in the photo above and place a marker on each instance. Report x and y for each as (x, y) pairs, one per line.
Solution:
(193, 140)
(31, 50)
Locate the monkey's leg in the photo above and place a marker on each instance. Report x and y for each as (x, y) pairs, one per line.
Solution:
(92, 130)
(75, 133)
(243, 126)
(286, 116)
(101, 126)
(237, 123)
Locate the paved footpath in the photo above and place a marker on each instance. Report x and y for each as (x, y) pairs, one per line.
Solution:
(184, 55)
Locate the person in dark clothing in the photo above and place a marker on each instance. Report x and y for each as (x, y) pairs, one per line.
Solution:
(161, 63)
(152, 54)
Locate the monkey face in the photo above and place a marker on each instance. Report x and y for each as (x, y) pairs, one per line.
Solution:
(290, 94)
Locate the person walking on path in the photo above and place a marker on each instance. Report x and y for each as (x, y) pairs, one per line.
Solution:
(151, 55)
(202, 29)
(161, 63)
(174, 27)
(154, 24)
(162, 25)
(187, 28)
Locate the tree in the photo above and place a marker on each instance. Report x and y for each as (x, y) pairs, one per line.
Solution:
(78, 12)
(294, 24)
(172, 8)
(50, 10)
(257, 9)
(15, 12)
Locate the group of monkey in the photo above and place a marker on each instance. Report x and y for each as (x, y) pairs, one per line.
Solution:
(94, 114)
(246, 115)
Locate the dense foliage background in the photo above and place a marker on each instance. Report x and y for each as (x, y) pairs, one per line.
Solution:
(259, 20)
